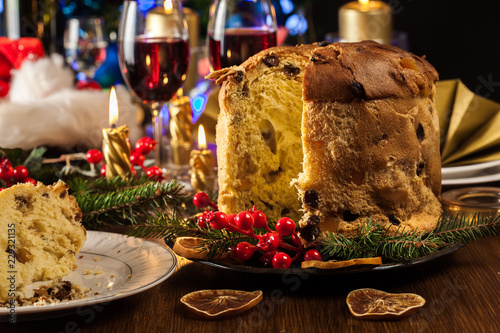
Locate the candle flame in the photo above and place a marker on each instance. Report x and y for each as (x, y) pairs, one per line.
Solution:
(168, 6)
(113, 107)
(364, 2)
(202, 141)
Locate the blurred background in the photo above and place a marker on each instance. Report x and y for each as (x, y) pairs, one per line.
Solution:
(461, 39)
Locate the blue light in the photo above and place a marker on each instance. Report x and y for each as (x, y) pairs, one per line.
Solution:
(198, 104)
(296, 24)
(286, 6)
(1, 6)
(145, 5)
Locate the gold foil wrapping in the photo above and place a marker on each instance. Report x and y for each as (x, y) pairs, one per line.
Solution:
(370, 21)
(181, 131)
(116, 151)
(202, 164)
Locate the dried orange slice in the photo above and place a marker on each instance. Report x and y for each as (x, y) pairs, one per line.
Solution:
(378, 305)
(220, 303)
(190, 247)
(333, 264)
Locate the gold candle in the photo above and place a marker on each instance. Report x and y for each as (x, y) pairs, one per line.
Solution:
(116, 149)
(365, 20)
(181, 129)
(202, 165)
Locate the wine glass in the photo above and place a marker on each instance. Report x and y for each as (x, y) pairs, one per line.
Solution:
(238, 29)
(85, 45)
(153, 53)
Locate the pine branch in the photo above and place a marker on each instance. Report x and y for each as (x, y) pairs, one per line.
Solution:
(463, 229)
(339, 246)
(404, 245)
(168, 226)
(128, 204)
(220, 241)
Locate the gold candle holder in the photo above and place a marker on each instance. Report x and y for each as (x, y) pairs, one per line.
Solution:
(202, 165)
(116, 149)
(365, 20)
(181, 141)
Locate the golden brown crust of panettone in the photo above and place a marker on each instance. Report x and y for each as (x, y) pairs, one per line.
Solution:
(371, 140)
(346, 71)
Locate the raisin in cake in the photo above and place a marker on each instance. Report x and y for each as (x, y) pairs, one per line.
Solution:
(259, 147)
(39, 227)
(367, 126)
(370, 135)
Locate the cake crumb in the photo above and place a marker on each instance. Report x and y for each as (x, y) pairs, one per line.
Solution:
(87, 272)
(98, 271)
(80, 257)
(97, 258)
(113, 276)
(98, 284)
(130, 276)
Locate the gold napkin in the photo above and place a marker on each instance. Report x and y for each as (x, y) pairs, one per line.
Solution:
(469, 125)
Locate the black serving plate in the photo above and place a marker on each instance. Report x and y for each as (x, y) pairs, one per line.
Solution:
(338, 271)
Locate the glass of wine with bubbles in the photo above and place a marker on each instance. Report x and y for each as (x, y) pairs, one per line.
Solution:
(238, 29)
(153, 53)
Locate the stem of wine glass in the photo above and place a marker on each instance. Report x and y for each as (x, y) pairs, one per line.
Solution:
(160, 153)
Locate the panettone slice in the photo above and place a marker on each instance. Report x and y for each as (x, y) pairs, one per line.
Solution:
(258, 134)
(40, 235)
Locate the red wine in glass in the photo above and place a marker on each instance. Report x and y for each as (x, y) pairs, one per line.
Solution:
(238, 45)
(154, 68)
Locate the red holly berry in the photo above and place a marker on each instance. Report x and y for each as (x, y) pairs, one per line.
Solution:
(145, 145)
(285, 226)
(30, 180)
(201, 200)
(230, 218)
(137, 159)
(219, 220)
(202, 221)
(282, 260)
(244, 220)
(20, 173)
(268, 242)
(103, 171)
(155, 173)
(312, 254)
(244, 251)
(94, 156)
(259, 218)
(6, 170)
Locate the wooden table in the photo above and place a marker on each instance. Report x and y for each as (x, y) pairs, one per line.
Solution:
(462, 291)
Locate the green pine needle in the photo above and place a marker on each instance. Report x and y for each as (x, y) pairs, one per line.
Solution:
(119, 201)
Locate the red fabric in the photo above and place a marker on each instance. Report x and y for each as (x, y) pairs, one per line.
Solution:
(12, 55)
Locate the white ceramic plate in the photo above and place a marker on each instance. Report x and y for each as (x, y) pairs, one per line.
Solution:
(472, 174)
(112, 265)
(470, 170)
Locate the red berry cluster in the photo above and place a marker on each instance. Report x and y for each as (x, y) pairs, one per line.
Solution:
(142, 147)
(12, 175)
(270, 244)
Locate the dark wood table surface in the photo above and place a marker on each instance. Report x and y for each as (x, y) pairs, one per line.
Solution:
(462, 290)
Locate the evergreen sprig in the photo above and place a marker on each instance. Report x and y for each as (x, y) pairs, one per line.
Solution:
(168, 225)
(120, 201)
(408, 244)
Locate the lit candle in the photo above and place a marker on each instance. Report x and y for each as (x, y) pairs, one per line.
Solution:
(202, 165)
(365, 20)
(116, 149)
(181, 132)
